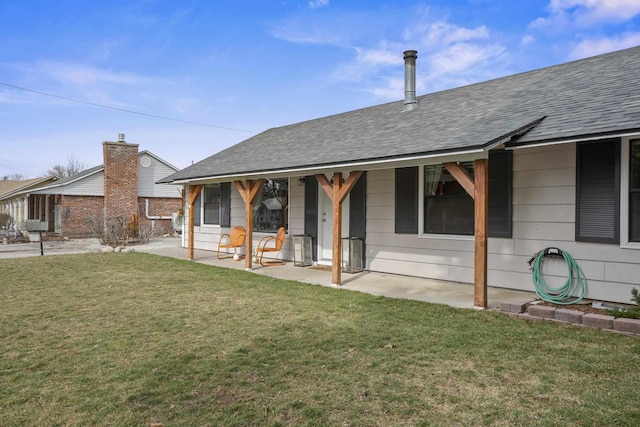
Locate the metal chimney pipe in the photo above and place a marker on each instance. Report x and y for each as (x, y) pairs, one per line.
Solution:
(410, 101)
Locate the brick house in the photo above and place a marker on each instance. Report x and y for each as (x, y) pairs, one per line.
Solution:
(123, 187)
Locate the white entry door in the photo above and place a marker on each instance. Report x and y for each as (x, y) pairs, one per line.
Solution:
(325, 226)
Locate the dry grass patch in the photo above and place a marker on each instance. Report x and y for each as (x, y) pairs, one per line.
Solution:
(130, 339)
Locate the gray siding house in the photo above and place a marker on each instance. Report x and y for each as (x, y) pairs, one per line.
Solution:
(552, 156)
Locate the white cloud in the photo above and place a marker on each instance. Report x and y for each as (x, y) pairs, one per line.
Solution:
(306, 33)
(315, 4)
(462, 57)
(368, 63)
(584, 13)
(67, 81)
(394, 89)
(448, 55)
(594, 47)
(527, 40)
(184, 105)
(85, 75)
(377, 56)
(447, 33)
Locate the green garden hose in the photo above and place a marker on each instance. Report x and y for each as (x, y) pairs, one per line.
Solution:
(571, 291)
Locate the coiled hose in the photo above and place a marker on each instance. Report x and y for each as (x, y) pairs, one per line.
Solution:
(571, 291)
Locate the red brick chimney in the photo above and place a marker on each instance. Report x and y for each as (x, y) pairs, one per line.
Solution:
(120, 179)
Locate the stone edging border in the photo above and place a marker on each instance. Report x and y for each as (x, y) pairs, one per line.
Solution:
(528, 311)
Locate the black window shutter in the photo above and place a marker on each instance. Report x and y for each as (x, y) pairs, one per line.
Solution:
(358, 208)
(406, 221)
(500, 193)
(225, 204)
(597, 191)
(196, 209)
(311, 212)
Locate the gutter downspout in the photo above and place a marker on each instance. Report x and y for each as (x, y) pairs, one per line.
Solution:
(152, 217)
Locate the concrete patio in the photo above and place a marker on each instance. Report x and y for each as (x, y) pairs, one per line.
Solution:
(388, 285)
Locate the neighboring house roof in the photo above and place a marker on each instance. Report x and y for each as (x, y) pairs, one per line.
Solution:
(59, 186)
(75, 177)
(593, 96)
(10, 188)
(149, 153)
(7, 185)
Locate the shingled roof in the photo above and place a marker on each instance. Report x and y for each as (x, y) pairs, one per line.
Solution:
(9, 188)
(575, 100)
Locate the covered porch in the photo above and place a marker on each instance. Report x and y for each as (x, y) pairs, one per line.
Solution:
(337, 187)
(454, 294)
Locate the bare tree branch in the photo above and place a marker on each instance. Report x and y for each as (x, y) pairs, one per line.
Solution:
(72, 167)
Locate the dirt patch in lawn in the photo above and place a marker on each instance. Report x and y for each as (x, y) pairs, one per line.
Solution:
(583, 307)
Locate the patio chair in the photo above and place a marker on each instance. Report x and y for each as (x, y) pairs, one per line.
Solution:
(271, 244)
(235, 240)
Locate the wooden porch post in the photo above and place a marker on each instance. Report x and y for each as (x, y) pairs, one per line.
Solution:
(478, 190)
(194, 190)
(336, 238)
(337, 192)
(248, 191)
(481, 205)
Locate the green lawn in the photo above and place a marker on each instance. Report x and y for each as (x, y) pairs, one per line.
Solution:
(133, 339)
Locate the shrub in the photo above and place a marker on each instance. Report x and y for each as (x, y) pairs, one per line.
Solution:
(631, 312)
(114, 232)
(6, 221)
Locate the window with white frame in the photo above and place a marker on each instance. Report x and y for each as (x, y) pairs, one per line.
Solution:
(634, 190)
(271, 206)
(445, 206)
(448, 208)
(211, 204)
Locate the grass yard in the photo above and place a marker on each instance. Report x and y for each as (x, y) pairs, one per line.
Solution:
(133, 339)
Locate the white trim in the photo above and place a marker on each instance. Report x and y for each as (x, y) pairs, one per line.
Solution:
(202, 223)
(421, 202)
(149, 153)
(461, 237)
(421, 233)
(624, 194)
(569, 141)
(462, 156)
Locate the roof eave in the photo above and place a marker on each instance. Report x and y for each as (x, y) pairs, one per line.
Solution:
(26, 188)
(470, 153)
(515, 144)
(64, 184)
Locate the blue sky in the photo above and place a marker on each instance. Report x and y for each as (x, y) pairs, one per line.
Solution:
(240, 67)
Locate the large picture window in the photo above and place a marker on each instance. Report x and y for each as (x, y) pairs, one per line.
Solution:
(446, 206)
(448, 209)
(271, 206)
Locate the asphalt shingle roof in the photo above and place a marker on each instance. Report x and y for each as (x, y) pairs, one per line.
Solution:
(8, 188)
(597, 95)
